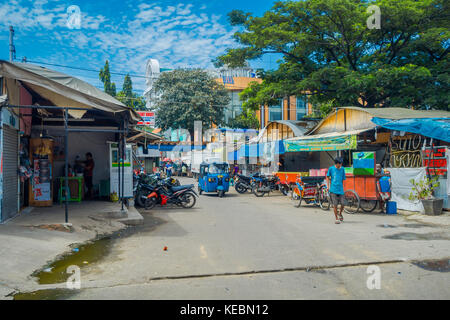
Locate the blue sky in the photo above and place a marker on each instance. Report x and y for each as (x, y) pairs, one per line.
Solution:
(126, 32)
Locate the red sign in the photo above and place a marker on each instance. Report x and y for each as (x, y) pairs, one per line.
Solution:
(435, 160)
(148, 118)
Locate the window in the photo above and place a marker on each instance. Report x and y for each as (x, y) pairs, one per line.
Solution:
(234, 107)
(301, 107)
(276, 111)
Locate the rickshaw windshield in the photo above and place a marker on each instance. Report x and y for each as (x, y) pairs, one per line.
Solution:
(218, 168)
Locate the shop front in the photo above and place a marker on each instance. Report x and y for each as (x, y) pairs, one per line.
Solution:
(61, 151)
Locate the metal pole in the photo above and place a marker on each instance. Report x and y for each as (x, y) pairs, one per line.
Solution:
(12, 50)
(118, 162)
(124, 144)
(66, 164)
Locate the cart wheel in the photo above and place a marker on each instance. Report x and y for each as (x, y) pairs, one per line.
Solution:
(368, 205)
(200, 190)
(298, 203)
(352, 202)
(324, 199)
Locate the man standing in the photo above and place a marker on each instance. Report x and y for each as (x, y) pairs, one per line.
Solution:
(88, 174)
(335, 181)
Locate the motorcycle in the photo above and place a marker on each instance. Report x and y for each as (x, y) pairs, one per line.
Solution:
(145, 184)
(244, 183)
(165, 194)
(264, 185)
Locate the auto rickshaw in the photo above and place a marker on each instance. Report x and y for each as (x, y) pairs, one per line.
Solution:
(214, 177)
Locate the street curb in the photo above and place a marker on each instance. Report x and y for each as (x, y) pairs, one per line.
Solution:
(133, 218)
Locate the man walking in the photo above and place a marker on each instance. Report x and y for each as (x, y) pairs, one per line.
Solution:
(335, 181)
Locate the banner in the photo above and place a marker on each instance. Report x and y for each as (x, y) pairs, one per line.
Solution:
(345, 142)
(401, 187)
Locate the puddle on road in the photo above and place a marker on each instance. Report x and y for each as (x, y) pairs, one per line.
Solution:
(441, 265)
(418, 236)
(406, 225)
(82, 256)
(47, 294)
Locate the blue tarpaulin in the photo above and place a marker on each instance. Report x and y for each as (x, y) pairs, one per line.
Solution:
(265, 149)
(436, 128)
(175, 147)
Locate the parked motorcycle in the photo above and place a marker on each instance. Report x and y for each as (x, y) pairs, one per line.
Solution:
(165, 193)
(145, 184)
(264, 185)
(244, 183)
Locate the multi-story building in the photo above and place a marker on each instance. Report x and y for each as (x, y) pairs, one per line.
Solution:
(289, 108)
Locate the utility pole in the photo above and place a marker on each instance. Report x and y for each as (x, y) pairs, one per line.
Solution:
(12, 49)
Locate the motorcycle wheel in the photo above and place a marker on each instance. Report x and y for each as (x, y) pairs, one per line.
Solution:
(150, 203)
(200, 191)
(141, 198)
(258, 193)
(187, 200)
(221, 193)
(284, 190)
(240, 188)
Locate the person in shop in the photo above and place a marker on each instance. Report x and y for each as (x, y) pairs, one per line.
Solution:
(88, 174)
(168, 170)
(335, 183)
(184, 169)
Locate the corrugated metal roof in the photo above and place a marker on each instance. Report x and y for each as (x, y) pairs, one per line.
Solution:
(402, 113)
(387, 113)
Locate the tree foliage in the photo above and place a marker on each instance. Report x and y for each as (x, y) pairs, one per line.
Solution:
(128, 97)
(329, 52)
(246, 120)
(185, 96)
(105, 76)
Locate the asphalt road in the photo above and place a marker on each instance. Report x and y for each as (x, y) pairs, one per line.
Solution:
(243, 247)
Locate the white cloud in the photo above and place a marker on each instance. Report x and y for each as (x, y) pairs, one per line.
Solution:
(41, 14)
(178, 36)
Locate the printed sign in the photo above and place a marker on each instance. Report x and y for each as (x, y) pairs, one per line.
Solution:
(147, 117)
(42, 192)
(435, 160)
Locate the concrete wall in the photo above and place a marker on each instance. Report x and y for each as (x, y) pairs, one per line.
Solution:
(79, 144)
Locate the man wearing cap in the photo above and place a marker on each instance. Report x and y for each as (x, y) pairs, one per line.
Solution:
(335, 182)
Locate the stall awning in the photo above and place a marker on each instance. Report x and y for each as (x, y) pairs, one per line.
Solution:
(437, 128)
(323, 142)
(64, 90)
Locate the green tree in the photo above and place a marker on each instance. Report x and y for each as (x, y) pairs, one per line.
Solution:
(128, 97)
(329, 52)
(246, 120)
(105, 76)
(186, 96)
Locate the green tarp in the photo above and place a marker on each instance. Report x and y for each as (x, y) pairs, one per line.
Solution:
(321, 143)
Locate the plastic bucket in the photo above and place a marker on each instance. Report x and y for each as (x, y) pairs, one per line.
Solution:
(391, 207)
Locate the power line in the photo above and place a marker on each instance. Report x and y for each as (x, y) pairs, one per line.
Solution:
(90, 70)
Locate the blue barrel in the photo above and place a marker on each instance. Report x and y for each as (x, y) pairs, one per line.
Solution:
(391, 207)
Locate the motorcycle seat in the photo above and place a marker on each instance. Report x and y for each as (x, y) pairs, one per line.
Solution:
(187, 186)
